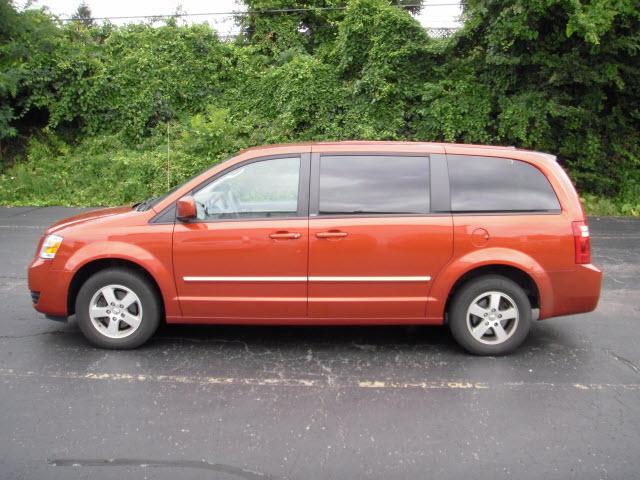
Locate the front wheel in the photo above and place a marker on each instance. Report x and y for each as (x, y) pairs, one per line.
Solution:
(490, 315)
(117, 308)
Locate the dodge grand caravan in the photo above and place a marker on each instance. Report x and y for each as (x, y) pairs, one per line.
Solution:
(484, 239)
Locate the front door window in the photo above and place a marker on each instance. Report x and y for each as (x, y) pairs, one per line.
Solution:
(263, 189)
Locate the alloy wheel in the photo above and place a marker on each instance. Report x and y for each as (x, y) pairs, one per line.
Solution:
(115, 311)
(492, 317)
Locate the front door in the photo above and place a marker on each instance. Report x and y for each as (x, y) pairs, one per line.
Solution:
(246, 255)
(374, 246)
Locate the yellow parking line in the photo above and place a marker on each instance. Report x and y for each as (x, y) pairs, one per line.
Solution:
(314, 383)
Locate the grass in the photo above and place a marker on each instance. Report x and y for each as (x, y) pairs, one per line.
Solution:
(598, 206)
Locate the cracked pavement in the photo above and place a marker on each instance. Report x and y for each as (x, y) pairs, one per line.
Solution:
(238, 402)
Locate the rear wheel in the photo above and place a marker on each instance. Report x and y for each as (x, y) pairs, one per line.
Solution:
(490, 315)
(117, 308)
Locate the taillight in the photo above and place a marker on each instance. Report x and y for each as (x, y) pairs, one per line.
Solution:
(582, 242)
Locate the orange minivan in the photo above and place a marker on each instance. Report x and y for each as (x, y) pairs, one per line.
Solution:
(484, 239)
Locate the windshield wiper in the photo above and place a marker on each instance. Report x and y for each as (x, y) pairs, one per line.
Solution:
(144, 206)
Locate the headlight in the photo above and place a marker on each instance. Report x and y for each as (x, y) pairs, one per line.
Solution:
(50, 246)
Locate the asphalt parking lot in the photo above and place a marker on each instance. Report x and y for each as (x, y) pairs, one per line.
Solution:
(304, 403)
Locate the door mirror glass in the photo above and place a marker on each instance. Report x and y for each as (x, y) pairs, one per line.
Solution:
(186, 208)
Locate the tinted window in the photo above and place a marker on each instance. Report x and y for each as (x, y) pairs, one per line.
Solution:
(487, 184)
(353, 184)
(266, 188)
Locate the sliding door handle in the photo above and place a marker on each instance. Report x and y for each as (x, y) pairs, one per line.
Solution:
(285, 235)
(331, 234)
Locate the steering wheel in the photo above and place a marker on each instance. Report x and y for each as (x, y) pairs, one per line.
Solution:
(222, 202)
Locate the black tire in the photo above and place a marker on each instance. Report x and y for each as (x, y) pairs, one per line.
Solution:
(137, 283)
(462, 301)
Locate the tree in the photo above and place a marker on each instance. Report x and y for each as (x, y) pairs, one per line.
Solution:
(24, 36)
(279, 25)
(9, 26)
(83, 15)
(565, 78)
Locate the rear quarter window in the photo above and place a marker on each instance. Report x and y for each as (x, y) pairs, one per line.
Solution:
(490, 184)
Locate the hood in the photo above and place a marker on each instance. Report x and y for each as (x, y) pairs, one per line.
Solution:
(88, 217)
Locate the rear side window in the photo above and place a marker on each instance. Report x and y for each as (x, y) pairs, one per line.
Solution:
(489, 184)
(373, 184)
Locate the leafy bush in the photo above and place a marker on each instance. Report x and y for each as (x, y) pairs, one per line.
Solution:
(97, 172)
(87, 112)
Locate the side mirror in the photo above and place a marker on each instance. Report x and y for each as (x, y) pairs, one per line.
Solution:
(186, 208)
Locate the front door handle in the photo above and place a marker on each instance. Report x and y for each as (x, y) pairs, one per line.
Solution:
(285, 235)
(332, 234)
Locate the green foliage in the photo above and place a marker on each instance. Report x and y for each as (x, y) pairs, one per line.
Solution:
(603, 206)
(98, 172)
(23, 37)
(137, 78)
(276, 26)
(454, 110)
(302, 99)
(383, 56)
(564, 76)
(106, 114)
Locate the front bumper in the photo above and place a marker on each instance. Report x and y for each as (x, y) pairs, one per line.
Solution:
(49, 288)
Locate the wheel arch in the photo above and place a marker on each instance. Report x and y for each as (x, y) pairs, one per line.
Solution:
(94, 266)
(517, 275)
(513, 264)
